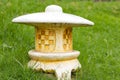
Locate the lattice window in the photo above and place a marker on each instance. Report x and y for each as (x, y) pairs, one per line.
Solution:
(46, 40)
(67, 39)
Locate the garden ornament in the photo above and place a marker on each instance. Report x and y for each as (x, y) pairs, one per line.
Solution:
(53, 41)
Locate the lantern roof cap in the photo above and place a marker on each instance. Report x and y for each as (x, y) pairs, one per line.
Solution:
(52, 14)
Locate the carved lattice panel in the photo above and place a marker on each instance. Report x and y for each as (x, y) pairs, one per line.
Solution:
(67, 39)
(46, 40)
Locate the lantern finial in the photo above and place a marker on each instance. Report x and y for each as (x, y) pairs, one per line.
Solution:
(53, 8)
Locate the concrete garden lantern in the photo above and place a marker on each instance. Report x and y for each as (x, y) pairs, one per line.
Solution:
(53, 41)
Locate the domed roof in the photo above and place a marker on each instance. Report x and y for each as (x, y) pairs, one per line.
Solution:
(52, 14)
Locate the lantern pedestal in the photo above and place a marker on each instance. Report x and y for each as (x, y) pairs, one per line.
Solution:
(60, 63)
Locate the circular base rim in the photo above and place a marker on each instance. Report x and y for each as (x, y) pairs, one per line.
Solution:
(53, 56)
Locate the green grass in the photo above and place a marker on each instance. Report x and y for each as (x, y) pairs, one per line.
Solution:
(99, 45)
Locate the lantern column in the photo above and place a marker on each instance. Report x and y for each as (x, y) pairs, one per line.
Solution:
(53, 38)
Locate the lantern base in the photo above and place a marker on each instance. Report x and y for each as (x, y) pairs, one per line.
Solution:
(62, 69)
(60, 63)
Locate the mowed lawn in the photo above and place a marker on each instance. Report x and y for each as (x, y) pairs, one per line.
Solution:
(99, 45)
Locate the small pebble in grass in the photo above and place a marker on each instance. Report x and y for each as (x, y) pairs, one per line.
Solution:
(6, 46)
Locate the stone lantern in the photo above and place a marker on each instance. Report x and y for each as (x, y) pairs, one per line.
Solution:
(53, 51)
